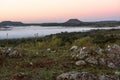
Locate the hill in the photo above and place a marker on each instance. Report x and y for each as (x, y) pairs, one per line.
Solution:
(11, 23)
(70, 22)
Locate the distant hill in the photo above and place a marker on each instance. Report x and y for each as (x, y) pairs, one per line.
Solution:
(11, 23)
(73, 21)
(70, 22)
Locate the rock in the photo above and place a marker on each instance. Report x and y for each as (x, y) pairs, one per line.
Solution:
(113, 56)
(80, 63)
(113, 50)
(15, 53)
(85, 76)
(98, 50)
(102, 61)
(108, 77)
(91, 60)
(68, 76)
(117, 73)
(111, 65)
(76, 76)
(83, 53)
(11, 52)
(48, 49)
(108, 57)
(73, 48)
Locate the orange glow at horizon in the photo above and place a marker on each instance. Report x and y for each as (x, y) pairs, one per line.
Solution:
(51, 10)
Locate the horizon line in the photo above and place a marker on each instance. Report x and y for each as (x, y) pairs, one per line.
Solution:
(60, 21)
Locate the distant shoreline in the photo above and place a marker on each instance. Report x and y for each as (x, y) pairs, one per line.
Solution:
(69, 23)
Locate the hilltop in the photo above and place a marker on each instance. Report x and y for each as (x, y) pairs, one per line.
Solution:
(11, 23)
(70, 22)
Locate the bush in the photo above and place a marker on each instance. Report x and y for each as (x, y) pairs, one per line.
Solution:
(85, 41)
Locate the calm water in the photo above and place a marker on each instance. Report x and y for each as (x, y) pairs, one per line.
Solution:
(31, 31)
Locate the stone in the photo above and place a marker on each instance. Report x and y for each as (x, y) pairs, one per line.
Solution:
(48, 49)
(80, 63)
(117, 73)
(108, 77)
(110, 56)
(11, 52)
(76, 76)
(73, 48)
(111, 65)
(102, 61)
(98, 50)
(68, 76)
(91, 60)
(113, 50)
(113, 56)
(85, 76)
(83, 53)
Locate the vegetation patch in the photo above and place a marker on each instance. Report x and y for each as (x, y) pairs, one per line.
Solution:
(47, 57)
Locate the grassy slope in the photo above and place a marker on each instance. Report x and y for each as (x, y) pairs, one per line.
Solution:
(38, 63)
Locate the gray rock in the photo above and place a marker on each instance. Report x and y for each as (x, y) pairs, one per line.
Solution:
(73, 48)
(76, 76)
(85, 76)
(68, 76)
(117, 73)
(111, 65)
(113, 50)
(80, 63)
(108, 57)
(108, 77)
(98, 50)
(113, 56)
(48, 49)
(92, 60)
(11, 52)
(102, 61)
(83, 53)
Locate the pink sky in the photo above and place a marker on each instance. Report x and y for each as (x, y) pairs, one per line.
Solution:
(59, 10)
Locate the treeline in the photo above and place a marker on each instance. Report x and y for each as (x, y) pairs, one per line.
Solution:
(65, 40)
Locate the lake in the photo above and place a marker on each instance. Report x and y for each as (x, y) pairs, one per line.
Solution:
(32, 31)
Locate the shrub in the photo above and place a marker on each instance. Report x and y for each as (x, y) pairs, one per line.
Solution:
(85, 41)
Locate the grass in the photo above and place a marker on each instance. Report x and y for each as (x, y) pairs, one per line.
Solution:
(40, 64)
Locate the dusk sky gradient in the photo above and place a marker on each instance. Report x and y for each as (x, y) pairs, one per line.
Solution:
(59, 10)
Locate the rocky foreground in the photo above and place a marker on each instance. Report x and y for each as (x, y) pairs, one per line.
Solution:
(108, 57)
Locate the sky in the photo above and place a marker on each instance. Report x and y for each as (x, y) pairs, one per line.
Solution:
(59, 10)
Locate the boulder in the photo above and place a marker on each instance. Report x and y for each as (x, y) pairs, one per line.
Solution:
(11, 52)
(91, 60)
(83, 53)
(109, 77)
(73, 48)
(85, 76)
(113, 56)
(102, 61)
(80, 63)
(110, 56)
(113, 50)
(111, 65)
(49, 49)
(99, 51)
(76, 76)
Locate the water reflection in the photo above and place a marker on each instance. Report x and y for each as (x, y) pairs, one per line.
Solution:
(32, 31)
